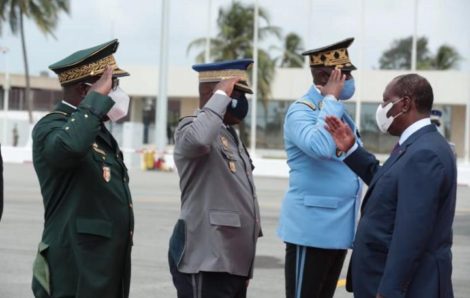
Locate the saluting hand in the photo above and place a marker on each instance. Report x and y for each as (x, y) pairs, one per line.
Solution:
(104, 84)
(334, 85)
(227, 85)
(341, 133)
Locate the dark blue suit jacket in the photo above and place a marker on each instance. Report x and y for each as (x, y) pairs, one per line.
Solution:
(404, 238)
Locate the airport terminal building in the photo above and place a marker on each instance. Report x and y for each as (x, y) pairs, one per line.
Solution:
(451, 95)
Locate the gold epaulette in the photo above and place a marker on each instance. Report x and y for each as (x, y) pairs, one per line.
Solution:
(308, 104)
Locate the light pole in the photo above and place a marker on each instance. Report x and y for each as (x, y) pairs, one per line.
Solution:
(414, 43)
(162, 99)
(207, 53)
(360, 92)
(255, 81)
(6, 92)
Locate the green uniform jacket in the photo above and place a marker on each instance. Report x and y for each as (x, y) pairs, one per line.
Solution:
(86, 243)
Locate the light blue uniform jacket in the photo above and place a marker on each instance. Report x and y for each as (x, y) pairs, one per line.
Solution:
(321, 205)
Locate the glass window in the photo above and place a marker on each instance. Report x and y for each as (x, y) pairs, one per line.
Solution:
(351, 109)
(374, 140)
(269, 124)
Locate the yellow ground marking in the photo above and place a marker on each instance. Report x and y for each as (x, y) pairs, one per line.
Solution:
(341, 283)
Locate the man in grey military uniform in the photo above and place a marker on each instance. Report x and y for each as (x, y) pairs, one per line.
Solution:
(213, 245)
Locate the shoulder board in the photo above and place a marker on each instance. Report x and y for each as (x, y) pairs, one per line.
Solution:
(309, 104)
(186, 118)
(185, 121)
(58, 113)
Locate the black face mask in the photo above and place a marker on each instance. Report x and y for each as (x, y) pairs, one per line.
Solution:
(238, 107)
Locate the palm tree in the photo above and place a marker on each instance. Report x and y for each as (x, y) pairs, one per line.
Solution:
(234, 40)
(45, 13)
(446, 57)
(291, 56)
(398, 56)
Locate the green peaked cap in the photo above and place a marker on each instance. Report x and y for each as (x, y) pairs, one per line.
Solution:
(88, 63)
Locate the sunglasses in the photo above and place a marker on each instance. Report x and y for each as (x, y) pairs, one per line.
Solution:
(114, 84)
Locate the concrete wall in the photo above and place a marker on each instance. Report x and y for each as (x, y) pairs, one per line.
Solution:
(189, 106)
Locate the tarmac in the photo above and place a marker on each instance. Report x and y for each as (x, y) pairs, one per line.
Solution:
(156, 206)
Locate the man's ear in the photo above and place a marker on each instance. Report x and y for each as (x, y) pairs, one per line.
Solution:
(321, 77)
(82, 89)
(407, 104)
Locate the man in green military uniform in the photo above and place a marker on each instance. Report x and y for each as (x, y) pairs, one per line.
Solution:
(87, 238)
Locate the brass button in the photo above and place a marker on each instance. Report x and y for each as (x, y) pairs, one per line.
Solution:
(73, 120)
(86, 116)
(67, 128)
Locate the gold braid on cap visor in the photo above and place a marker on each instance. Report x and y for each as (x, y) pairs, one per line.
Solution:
(86, 70)
(219, 75)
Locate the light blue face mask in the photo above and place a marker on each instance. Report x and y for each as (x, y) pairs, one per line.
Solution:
(348, 90)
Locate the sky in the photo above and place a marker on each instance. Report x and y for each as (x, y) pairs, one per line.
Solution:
(319, 22)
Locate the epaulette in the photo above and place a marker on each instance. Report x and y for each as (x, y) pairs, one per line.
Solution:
(185, 117)
(58, 112)
(180, 126)
(309, 104)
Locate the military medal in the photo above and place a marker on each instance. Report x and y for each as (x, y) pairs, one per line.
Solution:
(106, 173)
(224, 142)
(231, 165)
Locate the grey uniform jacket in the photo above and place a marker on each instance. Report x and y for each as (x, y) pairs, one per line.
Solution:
(219, 222)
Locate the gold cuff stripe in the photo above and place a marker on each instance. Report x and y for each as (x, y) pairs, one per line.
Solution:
(89, 69)
(218, 75)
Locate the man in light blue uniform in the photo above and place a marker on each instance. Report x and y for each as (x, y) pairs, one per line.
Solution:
(320, 208)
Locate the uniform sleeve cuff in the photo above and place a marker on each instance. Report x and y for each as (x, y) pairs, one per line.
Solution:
(351, 150)
(221, 92)
(98, 104)
(218, 103)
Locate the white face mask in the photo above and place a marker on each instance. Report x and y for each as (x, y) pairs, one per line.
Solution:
(384, 122)
(121, 106)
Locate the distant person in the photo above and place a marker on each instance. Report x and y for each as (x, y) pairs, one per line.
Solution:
(436, 116)
(319, 210)
(212, 249)
(15, 135)
(436, 119)
(404, 238)
(85, 249)
(169, 134)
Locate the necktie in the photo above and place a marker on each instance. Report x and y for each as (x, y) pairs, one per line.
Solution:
(232, 131)
(396, 149)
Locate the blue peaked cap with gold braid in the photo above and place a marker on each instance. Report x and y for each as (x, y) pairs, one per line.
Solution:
(218, 71)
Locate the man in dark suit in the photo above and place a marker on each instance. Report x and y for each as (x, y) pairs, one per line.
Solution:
(404, 238)
(85, 249)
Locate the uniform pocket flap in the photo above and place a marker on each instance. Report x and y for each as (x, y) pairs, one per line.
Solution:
(42, 247)
(321, 201)
(225, 218)
(96, 227)
(41, 274)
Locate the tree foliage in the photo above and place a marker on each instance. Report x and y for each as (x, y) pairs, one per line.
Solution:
(291, 52)
(234, 40)
(44, 13)
(398, 56)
